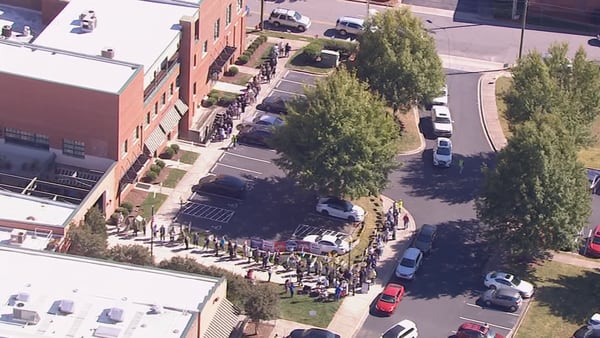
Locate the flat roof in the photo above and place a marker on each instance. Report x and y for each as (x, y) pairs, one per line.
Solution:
(137, 31)
(17, 18)
(94, 287)
(32, 240)
(30, 209)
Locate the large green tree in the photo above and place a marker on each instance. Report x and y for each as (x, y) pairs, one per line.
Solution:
(262, 304)
(398, 58)
(537, 197)
(89, 239)
(339, 140)
(554, 84)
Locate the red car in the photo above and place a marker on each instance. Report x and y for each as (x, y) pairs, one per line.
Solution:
(593, 244)
(390, 297)
(472, 330)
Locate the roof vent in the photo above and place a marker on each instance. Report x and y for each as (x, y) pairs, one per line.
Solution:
(29, 317)
(88, 21)
(26, 31)
(116, 314)
(7, 31)
(108, 53)
(66, 306)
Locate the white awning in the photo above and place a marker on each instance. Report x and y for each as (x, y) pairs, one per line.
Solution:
(181, 107)
(170, 120)
(155, 139)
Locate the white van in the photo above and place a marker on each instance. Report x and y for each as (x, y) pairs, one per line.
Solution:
(287, 17)
(349, 25)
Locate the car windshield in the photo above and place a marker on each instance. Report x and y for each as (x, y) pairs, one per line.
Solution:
(443, 151)
(407, 262)
(424, 238)
(297, 16)
(596, 240)
(442, 119)
(516, 281)
(388, 298)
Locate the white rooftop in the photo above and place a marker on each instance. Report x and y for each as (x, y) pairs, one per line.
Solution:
(18, 18)
(33, 240)
(94, 287)
(137, 31)
(30, 209)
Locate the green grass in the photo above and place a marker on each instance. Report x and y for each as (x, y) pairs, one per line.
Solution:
(372, 205)
(153, 199)
(410, 139)
(175, 175)
(503, 84)
(242, 79)
(265, 54)
(300, 61)
(565, 298)
(188, 157)
(282, 35)
(297, 309)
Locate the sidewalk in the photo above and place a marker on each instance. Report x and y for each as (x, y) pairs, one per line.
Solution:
(575, 259)
(489, 110)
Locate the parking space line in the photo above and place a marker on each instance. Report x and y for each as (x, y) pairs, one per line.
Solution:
(208, 212)
(474, 305)
(515, 314)
(238, 168)
(285, 91)
(297, 82)
(490, 324)
(249, 158)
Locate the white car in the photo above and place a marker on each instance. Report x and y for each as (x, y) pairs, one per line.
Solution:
(288, 17)
(403, 329)
(329, 244)
(441, 120)
(498, 280)
(442, 152)
(349, 25)
(409, 264)
(339, 208)
(443, 99)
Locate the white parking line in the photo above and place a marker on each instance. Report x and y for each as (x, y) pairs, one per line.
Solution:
(504, 312)
(480, 322)
(474, 305)
(238, 168)
(249, 158)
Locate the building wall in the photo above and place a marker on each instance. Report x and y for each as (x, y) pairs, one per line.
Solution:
(209, 309)
(581, 11)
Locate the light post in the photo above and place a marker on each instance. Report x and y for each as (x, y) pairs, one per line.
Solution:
(523, 23)
(262, 14)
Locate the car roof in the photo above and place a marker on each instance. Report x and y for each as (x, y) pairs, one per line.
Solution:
(392, 289)
(508, 292)
(428, 229)
(329, 238)
(503, 275)
(318, 333)
(411, 253)
(444, 142)
(351, 19)
(597, 230)
(271, 118)
(474, 327)
(441, 111)
(230, 180)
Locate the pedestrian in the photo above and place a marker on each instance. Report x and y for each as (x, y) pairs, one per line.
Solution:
(461, 165)
(162, 232)
(196, 239)
(265, 260)
(299, 274)
(280, 49)
(206, 242)
(144, 227)
(248, 253)
(400, 204)
(171, 234)
(405, 219)
(292, 288)
(186, 241)
(269, 273)
(154, 230)
(287, 49)
(231, 252)
(234, 140)
(222, 243)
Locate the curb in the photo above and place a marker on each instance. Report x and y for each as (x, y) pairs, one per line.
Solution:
(377, 3)
(482, 115)
(421, 146)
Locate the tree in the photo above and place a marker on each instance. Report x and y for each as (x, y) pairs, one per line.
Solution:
(85, 243)
(553, 84)
(537, 197)
(262, 304)
(398, 58)
(339, 140)
(95, 221)
(134, 254)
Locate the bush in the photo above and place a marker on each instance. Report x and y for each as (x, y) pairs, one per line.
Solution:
(242, 60)
(262, 38)
(232, 71)
(210, 101)
(168, 153)
(155, 168)
(151, 176)
(128, 206)
(340, 45)
(313, 49)
(247, 53)
(175, 148)
(225, 101)
(160, 163)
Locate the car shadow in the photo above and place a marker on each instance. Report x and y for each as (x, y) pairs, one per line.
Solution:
(426, 128)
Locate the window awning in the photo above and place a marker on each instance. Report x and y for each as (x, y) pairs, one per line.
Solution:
(181, 107)
(170, 120)
(222, 59)
(155, 139)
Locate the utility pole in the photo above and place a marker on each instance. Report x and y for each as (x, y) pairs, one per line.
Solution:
(523, 23)
(262, 14)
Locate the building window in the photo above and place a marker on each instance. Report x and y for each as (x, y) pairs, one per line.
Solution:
(178, 81)
(136, 133)
(239, 5)
(12, 135)
(204, 48)
(163, 100)
(228, 15)
(194, 88)
(197, 29)
(124, 150)
(195, 60)
(216, 29)
(171, 89)
(147, 119)
(74, 148)
(156, 109)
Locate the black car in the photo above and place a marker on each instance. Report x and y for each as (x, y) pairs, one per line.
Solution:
(313, 333)
(425, 238)
(223, 185)
(256, 135)
(275, 104)
(586, 332)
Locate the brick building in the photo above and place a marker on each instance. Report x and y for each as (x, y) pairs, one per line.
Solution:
(96, 91)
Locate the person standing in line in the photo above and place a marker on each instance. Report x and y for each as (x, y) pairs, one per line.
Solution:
(206, 242)
(196, 239)
(162, 232)
(269, 273)
(287, 49)
(186, 241)
(292, 288)
(406, 220)
(461, 165)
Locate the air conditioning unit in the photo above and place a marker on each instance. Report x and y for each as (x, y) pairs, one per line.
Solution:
(29, 317)
(108, 53)
(88, 21)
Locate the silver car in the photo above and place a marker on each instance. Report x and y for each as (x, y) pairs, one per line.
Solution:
(503, 298)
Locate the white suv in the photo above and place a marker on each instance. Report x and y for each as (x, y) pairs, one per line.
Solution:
(409, 264)
(441, 120)
(349, 25)
(287, 17)
(442, 152)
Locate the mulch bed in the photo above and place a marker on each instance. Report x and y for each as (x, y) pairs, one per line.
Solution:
(136, 197)
(264, 330)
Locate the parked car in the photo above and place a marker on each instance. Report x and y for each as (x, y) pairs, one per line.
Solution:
(442, 152)
(329, 244)
(349, 25)
(290, 18)
(442, 121)
(472, 330)
(509, 299)
(442, 99)
(586, 332)
(390, 298)
(593, 176)
(222, 185)
(271, 120)
(502, 280)
(339, 208)
(313, 333)
(275, 104)
(403, 329)
(409, 264)
(425, 238)
(256, 135)
(593, 243)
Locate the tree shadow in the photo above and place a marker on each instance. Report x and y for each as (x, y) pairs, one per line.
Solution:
(450, 185)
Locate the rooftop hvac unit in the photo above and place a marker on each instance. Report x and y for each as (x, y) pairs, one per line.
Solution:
(108, 53)
(116, 314)
(7, 31)
(26, 31)
(29, 317)
(88, 21)
(66, 306)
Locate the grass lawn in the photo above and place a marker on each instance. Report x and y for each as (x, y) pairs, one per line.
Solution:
(152, 199)
(283, 35)
(188, 157)
(565, 298)
(299, 61)
(502, 85)
(298, 309)
(374, 209)
(411, 137)
(174, 177)
(266, 52)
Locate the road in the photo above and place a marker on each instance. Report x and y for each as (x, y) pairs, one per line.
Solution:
(454, 34)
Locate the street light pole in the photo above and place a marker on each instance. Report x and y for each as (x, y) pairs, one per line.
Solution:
(368, 8)
(523, 23)
(262, 14)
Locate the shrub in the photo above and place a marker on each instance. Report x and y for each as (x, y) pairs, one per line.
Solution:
(340, 45)
(160, 163)
(168, 153)
(242, 60)
(247, 53)
(175, 148)
(313, 49)
(225, 101)
(232, 71)
(151, 176)
(128, 206)
(210, 101)
(155, 168)
(262, 38)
